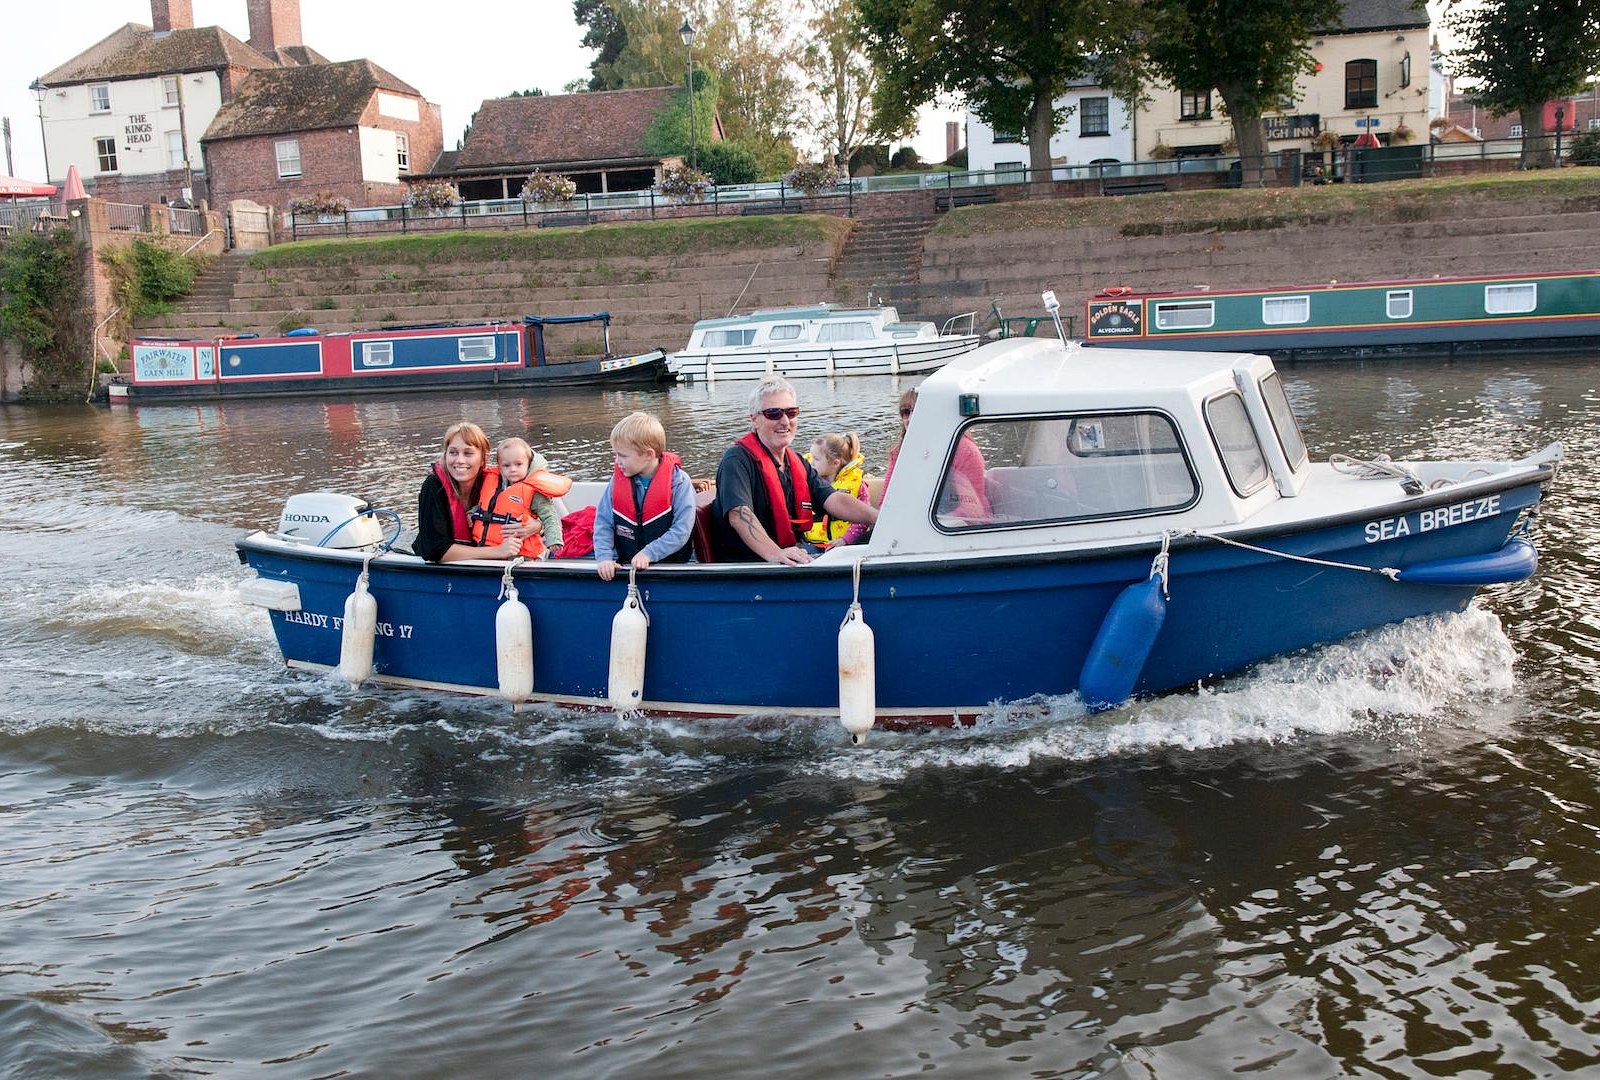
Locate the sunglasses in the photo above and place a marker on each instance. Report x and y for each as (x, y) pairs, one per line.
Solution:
(775, 414)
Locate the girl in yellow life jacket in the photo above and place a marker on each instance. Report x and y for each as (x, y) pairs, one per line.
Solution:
(837, 459)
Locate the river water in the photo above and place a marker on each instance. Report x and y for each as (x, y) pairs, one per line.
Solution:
(1374, 859)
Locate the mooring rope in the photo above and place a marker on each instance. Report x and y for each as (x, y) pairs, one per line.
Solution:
(1389, 572)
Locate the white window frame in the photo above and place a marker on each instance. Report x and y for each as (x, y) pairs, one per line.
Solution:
(174, 140)
(287, 152)
(727, 339)
(169, 90)
(475, 349)
(1162, 310)
(377, 354)
(1285, 310)
(1594, 123)
(843, 333)
(1516, 131)
(402, 151)
(1398, 303)
(1518, 299)
(105, 149)
(100, 98)
(786, 332)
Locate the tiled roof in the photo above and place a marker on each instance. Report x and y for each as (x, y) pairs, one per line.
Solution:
(1380, 15)
(281, 100)
(606, 125)
(133, 51)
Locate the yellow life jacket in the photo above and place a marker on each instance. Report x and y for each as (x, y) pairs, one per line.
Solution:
(850, 480)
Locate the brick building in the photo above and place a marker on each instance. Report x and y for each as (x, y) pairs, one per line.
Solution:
(598, 139)
(1578, 114)
(350, 129)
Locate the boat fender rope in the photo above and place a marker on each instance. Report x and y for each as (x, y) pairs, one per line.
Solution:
(1389, 572)
(507, 588)
(1159, 565)
(1381, 467)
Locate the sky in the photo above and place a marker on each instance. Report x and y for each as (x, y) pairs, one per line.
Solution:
(455, 55)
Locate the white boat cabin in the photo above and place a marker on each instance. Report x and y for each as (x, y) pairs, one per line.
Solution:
(798, 327)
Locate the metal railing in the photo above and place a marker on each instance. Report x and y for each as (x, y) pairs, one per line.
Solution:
(182, 221)
(777, 197)
(125, 216)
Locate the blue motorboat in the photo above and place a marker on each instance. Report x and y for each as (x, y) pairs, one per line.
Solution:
(1062, 520)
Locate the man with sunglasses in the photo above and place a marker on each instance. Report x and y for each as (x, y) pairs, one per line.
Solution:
(768, 495)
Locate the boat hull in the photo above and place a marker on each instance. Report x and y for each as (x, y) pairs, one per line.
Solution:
(914, 357)
(727, 640)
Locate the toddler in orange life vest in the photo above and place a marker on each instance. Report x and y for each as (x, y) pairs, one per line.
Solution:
(519, 486)
(646, 514)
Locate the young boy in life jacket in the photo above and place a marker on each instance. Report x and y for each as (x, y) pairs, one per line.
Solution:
(837, 459)
(646, 513)
(519, 486)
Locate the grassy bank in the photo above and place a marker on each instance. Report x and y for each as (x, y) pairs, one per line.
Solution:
(1272, 208)
(679, 236)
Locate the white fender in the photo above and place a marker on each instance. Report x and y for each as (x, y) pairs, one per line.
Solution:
(513, 647)
(858, 691)
(357, 636)
(630, 628)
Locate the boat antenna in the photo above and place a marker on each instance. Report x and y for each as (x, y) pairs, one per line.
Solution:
(1053, 306)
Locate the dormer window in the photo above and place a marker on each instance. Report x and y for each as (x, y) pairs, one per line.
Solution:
(100, 98)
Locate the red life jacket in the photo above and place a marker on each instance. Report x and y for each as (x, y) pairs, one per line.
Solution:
(460, 530)
(785, 526)
(637, 527)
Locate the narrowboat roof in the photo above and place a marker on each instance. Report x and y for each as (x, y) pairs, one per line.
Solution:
(1201, 291)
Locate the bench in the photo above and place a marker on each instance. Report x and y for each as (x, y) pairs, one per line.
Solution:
(1138, 185)
(950, 199)
(767, 208)
(554, 221)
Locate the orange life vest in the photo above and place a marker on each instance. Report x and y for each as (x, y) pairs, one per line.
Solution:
(500, 505)
(797, 521)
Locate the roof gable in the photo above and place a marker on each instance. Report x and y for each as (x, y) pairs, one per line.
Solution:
(604, 125)
(133, 51)
(282, 100)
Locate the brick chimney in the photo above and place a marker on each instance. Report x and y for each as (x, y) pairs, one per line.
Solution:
(171, 15)
(274, 24)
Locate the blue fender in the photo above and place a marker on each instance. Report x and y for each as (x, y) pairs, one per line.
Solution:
(1515, 561)
(1123, 644)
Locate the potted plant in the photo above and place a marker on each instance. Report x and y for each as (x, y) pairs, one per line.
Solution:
(1326, 140)
(431, 196)
(323, 206)
(542, 187)
(1162, 152)
(1402, 133)
(683, 184)
(812, 178)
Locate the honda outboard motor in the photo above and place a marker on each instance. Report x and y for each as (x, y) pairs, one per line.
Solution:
(330, 519)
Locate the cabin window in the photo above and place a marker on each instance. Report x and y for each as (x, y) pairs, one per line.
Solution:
(1185, 316)
(1284, 425)
(1510, 299)
(377, 353)
(475, 348)
(724, 339)
(1397, 303)
(1282, 310)
(1236, 443)
(1019, 472)
(858, 330)
(785, 332)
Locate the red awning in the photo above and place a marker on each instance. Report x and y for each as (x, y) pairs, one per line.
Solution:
(21, 189)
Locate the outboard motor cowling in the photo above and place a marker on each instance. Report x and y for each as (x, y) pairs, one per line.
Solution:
(310, 517)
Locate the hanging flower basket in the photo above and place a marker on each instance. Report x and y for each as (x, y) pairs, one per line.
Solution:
(683, 184)
(813, 178)
(323, 206)
(543, 187)
(434, 196)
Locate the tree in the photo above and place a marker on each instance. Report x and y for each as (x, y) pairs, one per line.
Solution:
(839, 80)
(748, 44)
(1010, 59)
(1249, 51)
(1524, 53)
(604, 33)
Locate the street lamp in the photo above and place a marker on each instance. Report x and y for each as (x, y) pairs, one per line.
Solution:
(38, 89)
(686, 32)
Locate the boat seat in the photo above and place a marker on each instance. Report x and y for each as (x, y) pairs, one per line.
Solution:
(700, 538)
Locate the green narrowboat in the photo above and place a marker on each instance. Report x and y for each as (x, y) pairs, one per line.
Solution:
(1427, 315)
